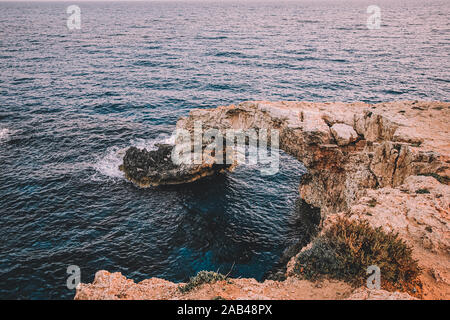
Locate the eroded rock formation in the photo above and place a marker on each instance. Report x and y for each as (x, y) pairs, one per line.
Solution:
(387, 163)
(347, 148)
(155, 167)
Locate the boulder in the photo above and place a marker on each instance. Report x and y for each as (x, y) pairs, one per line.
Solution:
(156, 167)
(343, 134)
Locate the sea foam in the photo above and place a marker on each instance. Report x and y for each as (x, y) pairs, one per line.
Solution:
(108, 163)
(5, 134)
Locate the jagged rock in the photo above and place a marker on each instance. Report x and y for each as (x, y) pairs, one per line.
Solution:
(156, 167)
(343, 134)
(115, 286)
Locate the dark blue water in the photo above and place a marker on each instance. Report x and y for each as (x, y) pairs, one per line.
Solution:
(72, 101)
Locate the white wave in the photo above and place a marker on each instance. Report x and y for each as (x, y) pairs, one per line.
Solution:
(108, 163)
(5, 134)
(150, 144)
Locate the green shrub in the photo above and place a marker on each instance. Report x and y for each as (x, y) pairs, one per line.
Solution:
(422, 191)
(347, 248)
(201, 278)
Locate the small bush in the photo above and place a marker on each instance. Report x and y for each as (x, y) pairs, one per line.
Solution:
(422, 191)
(347, 248)
(201, 278)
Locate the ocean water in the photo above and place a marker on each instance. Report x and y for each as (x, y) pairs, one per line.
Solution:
(72, 101)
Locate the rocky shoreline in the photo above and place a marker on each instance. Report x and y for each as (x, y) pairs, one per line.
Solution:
(386, 163)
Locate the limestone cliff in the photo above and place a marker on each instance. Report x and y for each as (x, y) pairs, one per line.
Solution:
(387, 163)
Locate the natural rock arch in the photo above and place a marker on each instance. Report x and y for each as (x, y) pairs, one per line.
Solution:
(347, 148)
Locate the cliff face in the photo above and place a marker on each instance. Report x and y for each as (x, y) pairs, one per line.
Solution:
(387, 163)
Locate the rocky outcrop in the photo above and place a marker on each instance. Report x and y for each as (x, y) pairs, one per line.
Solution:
(343, 134)
(155, 167)
(387, 163)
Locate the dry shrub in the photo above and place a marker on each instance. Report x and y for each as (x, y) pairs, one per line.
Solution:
(347, 248)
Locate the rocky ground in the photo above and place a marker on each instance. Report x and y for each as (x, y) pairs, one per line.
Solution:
(386, 163)
(114, 286)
